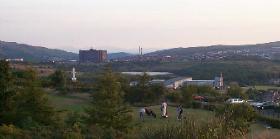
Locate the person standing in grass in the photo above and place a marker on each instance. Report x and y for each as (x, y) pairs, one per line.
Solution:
(179, 112)
(141, 113)
(163, 109)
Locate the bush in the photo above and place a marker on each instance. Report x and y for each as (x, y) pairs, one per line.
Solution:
(191, 128)
(175, 97)
(197, 105)
(237, 116)
(275, 123)
(11, 132)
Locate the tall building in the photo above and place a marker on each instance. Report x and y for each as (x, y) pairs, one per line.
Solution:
(92, 55)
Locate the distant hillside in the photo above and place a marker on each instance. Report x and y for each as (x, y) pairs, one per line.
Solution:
(270, 50)
(36, 53)
(13, 50)
(33, 53)
(118, 55)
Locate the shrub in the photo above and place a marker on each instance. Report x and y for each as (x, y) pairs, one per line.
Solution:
(11, 132)
(237, 116)
(275, 123)
(190, 128)
(196, 105)
(175, 97)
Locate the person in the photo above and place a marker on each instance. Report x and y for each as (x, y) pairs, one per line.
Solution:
(141, 113)
(179, 112)
(163, 109)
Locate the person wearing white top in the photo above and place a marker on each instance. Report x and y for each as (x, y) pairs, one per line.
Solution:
(164, 110)
(141, 113)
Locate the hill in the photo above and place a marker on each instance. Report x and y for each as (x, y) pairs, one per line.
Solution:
(266, 50)
(13, 50)
(118, 55)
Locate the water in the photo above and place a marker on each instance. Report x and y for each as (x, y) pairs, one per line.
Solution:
(149, 73)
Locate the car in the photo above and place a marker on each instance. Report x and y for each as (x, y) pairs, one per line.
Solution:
(267, 105)
(254, 103)
(235, 101)
(257, 105)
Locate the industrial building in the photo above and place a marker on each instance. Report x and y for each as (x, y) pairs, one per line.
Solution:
(92, 55)
(175, 83)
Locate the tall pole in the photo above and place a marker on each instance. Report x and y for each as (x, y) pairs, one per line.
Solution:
(139, 51)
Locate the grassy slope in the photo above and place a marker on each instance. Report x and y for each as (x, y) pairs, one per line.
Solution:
(72, 103)
(77, 102)
(150, 121)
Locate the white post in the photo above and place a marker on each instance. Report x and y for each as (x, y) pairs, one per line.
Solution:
(74, 79)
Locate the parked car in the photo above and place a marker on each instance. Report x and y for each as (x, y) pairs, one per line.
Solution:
(254, 103)
(235, 101)
(267, 105)
(199, 98)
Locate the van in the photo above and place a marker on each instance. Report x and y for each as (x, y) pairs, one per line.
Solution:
(235, 101)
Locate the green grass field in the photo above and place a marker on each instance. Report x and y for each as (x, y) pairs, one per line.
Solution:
(77, 103)
(200, 115)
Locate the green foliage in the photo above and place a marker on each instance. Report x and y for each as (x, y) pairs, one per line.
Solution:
(190, 128)
(6, 91)
(107, 109)
(144, 92)
(31, 105)
(253, 94)
(58, 80)
(187, 93)
(236, 91)
(237, 116)
(143, 80)
(73, 133)
(73, 118)
(28, 106)
(12, 132)
(207, 91)
(174, 96)
(273, 122)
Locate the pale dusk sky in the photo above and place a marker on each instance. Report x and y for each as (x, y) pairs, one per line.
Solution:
(123, 25)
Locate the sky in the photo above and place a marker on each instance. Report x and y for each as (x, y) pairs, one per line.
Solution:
(123, 25)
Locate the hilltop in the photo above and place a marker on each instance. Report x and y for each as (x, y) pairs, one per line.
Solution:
(266, 50)
(33, 53)
(13, 50)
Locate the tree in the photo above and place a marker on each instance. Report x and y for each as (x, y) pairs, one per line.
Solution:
(237, 116)
(236, 91)
(107, 109)
(144, 91)
(187, 93)
(143, 81)
(253, 94)
(207, 91)
(6, 90)
(174, 96)
(31, 105)
(58, 80)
